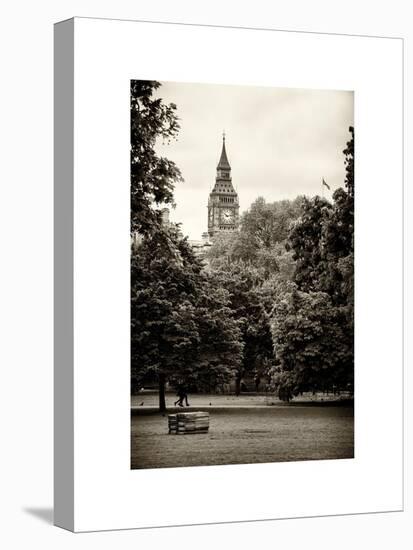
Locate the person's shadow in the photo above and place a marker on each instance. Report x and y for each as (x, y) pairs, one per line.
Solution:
(44, 514)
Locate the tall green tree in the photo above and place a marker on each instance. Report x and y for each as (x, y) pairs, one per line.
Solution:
(152, 177)
(183, 330)
(306, 241)
(312, 344)
(243, 261)
(339, 234)
(269, 223)
(152, 183)
(323, 237)
(260, 242)
(243, 283)
(219, 353)
(349, 162)
(313, 324)
(163, 316)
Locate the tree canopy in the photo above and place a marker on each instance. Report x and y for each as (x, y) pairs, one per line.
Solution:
(152, 177)
(183, 330)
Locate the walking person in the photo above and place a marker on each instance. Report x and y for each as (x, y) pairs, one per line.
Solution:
(182, 395)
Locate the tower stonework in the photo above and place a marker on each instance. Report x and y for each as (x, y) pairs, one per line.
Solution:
(223, 203)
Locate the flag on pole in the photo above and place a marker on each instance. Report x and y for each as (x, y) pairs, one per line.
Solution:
(326, 184)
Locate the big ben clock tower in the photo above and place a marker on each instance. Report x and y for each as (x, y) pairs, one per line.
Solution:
(223, 204)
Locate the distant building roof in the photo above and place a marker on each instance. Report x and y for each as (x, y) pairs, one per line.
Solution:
(223, 163)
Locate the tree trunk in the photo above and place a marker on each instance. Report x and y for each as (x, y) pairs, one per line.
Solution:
(162, 404)
(238, 385)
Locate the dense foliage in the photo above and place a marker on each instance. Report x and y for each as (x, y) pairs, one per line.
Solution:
(242, 283)
(152, 177)
(313, 322)
(182, 328)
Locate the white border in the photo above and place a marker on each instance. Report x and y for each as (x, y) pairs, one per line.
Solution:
(108, 495)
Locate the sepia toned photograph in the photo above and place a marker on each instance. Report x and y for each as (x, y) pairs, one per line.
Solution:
(242, 274)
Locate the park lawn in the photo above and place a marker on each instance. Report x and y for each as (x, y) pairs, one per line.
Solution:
(149, 399)
(236, 436)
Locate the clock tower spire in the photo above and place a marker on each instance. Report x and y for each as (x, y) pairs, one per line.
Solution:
(223, 203)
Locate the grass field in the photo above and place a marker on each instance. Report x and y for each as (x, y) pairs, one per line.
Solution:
(245, 436)
(148, 399)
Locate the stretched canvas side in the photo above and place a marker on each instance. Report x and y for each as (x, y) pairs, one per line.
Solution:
(63, 275)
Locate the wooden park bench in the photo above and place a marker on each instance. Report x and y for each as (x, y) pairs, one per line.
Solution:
(188, 423)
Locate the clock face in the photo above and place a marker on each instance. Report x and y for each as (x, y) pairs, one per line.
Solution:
(228, 216)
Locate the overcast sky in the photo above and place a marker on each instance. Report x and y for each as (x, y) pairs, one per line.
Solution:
(280, 143)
